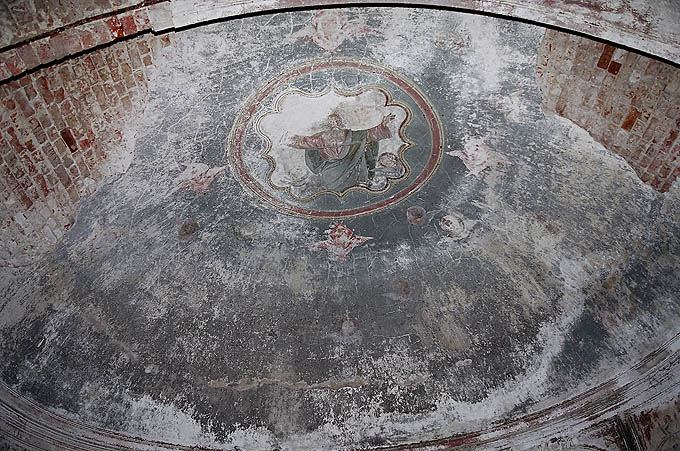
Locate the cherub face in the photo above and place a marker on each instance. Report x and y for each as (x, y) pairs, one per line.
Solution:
(334, 121)
(388, 160)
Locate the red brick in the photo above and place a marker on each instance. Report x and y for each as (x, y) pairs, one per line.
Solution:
(114, 72)
(100, 96)
(25, 81)
(30, 92)
(59, 94)
(87, 38)
(10, 104)
(66, 158)
(605, 58)
(10, 59)
(133, 54)
(23, 103)
(42, 183)
(143, 47)
(25, 200)
(14, 139)
(65, 44)
(83, 167)
(100, 32)
(651, 132)
(55, 115)
(656, 164)
(28, 56)
(115, 28)
(68, 138)
(63, 176)
(51, 155)
(66, 109)
(89, 65)
(141, 79)
(73, 193)
(67, 78)
(120, 89)
(37, 129)
(75, 173)
(4, 72)
(672, 136)
(614, 67)
(25, 182)
(44, 88)
(653, 68)
(128, 25)
(128, 78)
(43, 50)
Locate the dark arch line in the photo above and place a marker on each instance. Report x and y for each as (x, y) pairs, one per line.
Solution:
(583, 21)
(166, 16)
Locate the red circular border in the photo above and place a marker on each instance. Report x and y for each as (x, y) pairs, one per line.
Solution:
(246, 115)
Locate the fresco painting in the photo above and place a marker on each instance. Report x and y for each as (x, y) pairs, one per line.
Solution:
(329, 29)
(332, 139)
(196, 177)
(341, 240)
(334, 142)
(475, 155)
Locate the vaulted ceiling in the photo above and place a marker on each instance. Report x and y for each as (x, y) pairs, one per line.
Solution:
(269, 225)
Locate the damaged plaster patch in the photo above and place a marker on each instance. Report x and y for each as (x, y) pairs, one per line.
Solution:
(149, 418)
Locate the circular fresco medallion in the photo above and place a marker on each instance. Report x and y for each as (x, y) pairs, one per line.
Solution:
(335, 139)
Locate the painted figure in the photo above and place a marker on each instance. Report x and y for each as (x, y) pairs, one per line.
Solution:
(343, 158)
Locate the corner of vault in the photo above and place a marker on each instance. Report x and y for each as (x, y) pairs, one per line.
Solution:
(628, 102)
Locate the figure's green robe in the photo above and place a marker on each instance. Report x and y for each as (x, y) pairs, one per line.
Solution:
(355, 165)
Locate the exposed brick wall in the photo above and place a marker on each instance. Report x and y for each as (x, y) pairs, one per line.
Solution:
(627, 102)
(60, 136)
(29, 53)
(24, 19)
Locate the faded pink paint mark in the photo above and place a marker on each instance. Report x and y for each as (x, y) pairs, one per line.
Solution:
(341, 240)
(197, 177)
(329, 29)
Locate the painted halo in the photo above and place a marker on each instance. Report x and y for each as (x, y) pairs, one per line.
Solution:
(389, 140)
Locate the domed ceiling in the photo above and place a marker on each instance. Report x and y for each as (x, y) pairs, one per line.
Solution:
(351, 228)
